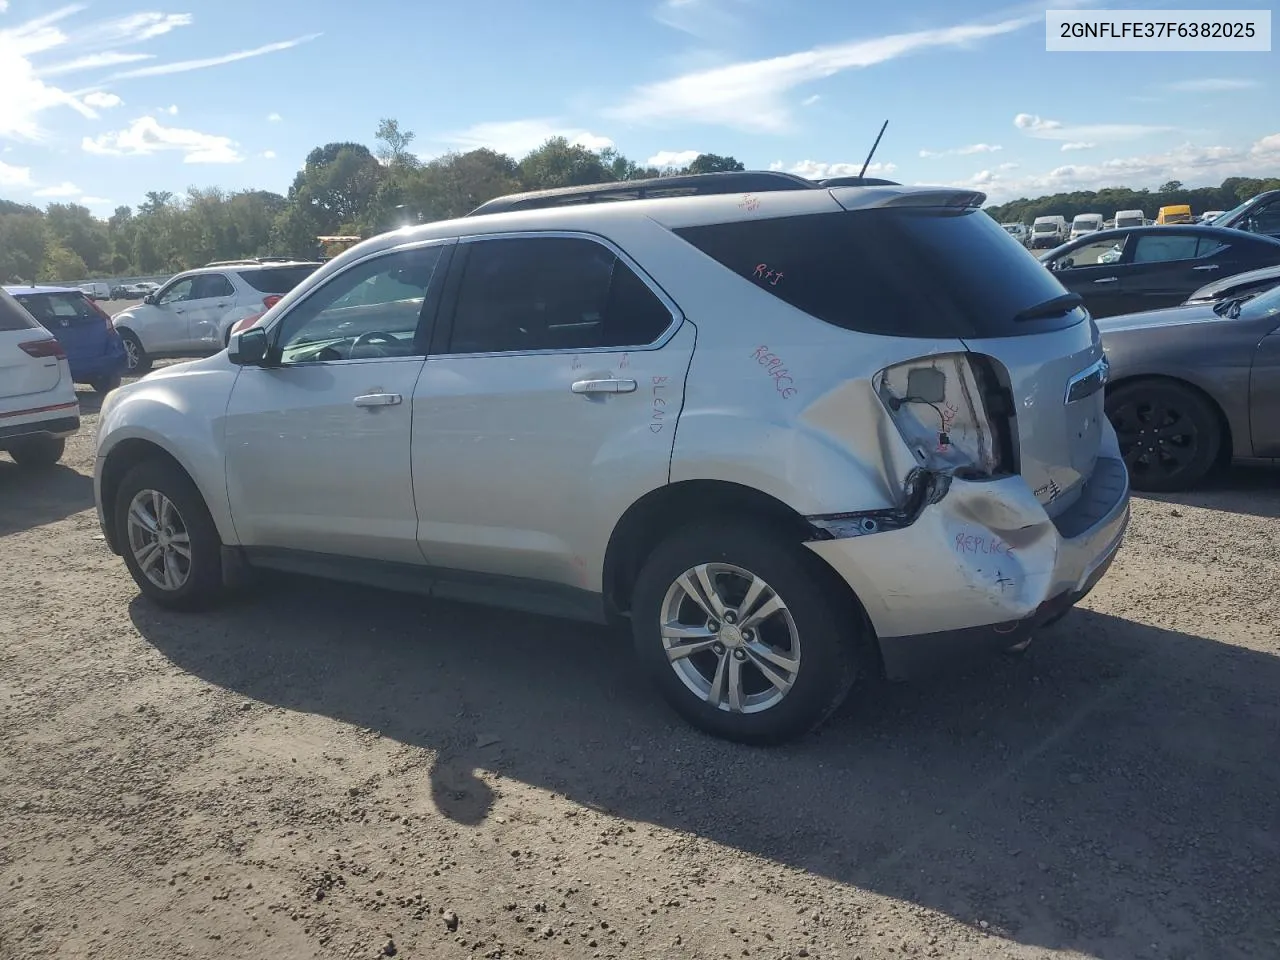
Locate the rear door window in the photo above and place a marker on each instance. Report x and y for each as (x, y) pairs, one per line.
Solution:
(1158, 248)
(277, 280)
(896, 271)
(524, 294)
(210, 285)
(54, 310)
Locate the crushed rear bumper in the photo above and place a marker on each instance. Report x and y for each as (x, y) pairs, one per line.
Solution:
(981, 567)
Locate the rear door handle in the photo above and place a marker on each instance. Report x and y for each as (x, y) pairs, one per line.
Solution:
(603, 386)
(377, 400)
(1107, 280)
(1207, 266)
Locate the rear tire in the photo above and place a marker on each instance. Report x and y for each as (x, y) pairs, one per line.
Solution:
(38, 452)
(139, 363)
(747, 678)
(105, 385)
(1170, 436)
(167, 537)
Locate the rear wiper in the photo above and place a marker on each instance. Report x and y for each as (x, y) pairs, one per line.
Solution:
(1050, 308)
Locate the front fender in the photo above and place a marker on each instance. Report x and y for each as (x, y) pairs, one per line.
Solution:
(156, 414)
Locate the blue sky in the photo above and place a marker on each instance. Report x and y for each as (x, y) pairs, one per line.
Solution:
(102, 101)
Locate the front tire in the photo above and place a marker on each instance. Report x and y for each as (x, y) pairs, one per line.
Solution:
(38, 452)
(747, 635)
(139, 363)
(167, 537)
(1169, 435)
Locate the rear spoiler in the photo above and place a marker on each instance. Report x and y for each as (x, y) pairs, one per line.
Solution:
(853, 198)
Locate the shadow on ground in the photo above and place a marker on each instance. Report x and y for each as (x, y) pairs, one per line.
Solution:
(1247, 490)
(1116, 787)
(32, 497)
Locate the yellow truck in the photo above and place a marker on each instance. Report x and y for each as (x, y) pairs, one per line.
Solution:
(1176, 213)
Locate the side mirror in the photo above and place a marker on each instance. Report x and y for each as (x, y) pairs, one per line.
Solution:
(150, 298)
(248, 348)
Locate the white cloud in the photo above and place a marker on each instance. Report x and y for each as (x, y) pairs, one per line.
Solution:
(274, 118)
(64, 189)
(23, 95)
(133, 28)
(1041, 129)
(1007, 166)
(1211, 85)
(672, 158)
(816, 170)
(1077, 145)
(146, 136)
(102, 100)
(749, 95)
(962, 151)
(810, 101)
(183, 66)
(268, 154)
(518, 137)
(11, 176)
(705, 19)
(1193, 165)
(93, 61)
(171, 109)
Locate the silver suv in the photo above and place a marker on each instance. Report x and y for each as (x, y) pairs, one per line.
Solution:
(193, 313)
(790, 434)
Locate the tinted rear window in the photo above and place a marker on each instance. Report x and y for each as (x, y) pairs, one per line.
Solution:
(54, 310)
(12, 315)
(278, 280)
(897, 272)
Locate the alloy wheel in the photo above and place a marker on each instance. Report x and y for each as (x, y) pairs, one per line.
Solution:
(159, 540)
(131, 353)
(1156, 438)
(730, 638)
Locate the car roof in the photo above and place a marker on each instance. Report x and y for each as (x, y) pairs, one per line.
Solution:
(247, 265)
(17, 289)
(670, 212)
(1199, 229)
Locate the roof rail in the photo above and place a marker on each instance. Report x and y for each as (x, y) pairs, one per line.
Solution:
(686, 185)
(232, 263)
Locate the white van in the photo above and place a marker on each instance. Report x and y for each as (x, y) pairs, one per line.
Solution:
(1048, 232)
(1085, 223)
(1130, 218)
(1016, 230)
(96, 291)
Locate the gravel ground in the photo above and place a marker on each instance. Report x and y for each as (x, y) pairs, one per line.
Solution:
(326, 771)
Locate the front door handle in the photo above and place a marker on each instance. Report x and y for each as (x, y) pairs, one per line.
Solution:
(1107, 280)
(377, 400)
(603, 386)
(1208, 266)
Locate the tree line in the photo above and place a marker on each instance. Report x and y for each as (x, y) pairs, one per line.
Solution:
(1233, 192)
(349, 189)
(343, 189)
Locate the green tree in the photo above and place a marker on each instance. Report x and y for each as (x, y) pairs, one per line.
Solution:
(62, 265)
(78, 230)
(713, 163)
(23, 240)
(559, 163)
(393, 144)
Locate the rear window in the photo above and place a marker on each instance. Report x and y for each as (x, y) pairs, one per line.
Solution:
(53, 310)
(896, 272)
(13, 316)
(277, 280)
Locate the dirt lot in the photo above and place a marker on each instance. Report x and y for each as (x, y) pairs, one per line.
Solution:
(325, 771)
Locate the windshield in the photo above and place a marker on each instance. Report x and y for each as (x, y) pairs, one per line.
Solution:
(1262, 306)
(1231, 213)
(1045, 227)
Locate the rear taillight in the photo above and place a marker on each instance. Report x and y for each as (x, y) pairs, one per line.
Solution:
(270, 301)
(106, 317)
(947, 411)
(43, 348)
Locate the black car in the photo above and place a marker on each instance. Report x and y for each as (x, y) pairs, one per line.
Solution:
(1260, 214)
(1146, 268)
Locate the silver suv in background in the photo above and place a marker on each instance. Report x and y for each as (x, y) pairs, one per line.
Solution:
(787, 434)
(193, 313)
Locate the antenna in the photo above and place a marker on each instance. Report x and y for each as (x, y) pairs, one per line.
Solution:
(866, 163)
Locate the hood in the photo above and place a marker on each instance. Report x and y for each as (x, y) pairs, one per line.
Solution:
(1157, 319)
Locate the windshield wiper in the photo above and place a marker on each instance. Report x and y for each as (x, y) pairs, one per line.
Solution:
(1050, 308)
(1230, 308)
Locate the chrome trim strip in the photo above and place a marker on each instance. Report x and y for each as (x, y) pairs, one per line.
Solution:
(1100, 368)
